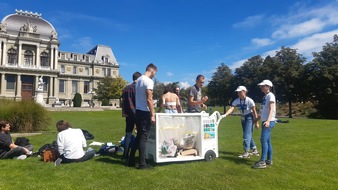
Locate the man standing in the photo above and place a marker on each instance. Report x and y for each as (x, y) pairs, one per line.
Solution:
(195, 100)
(128, 111)
(7, 147)
(145, 115)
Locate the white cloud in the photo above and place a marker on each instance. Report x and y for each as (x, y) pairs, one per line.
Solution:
(314, 43)
(184, 85)
(300, 29)
(250, 21)
(170, 74)
(259, 42)
(83, 44)
(237, 64)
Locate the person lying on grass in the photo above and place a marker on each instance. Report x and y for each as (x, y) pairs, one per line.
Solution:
(70, 144)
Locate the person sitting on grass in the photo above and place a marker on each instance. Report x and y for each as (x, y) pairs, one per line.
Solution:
(7, 147)
(70, 144)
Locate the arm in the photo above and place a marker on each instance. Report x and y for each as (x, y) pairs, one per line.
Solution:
(230, 110)
(254, 112)
(192, 102)
(178, 105)
(150, 104)
(162, 104)
(271, 108)
(60, 144)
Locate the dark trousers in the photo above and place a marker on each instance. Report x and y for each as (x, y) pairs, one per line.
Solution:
(130, 123)
(17, 151)
(143, 123)
(88, 155)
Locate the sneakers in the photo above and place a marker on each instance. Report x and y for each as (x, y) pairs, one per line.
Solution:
(259, 165)
(254, 152)
(245, 155)
(21, 157)
(58, 162)
(268, 162)
(145, 167)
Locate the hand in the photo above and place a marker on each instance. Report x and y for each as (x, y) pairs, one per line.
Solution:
(27, 151)
(205, 106)
(257, 125)
(223, 116)
(153, 120)
(266, 124)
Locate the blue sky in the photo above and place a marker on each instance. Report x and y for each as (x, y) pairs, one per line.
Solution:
(185, 38)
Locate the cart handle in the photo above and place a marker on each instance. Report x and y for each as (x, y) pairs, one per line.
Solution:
(217, 116)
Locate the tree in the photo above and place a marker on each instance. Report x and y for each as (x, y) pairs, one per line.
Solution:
(220, 87)
(77, 100)
(249, 75)
(110, 88)
(322, 77)
(288, 77)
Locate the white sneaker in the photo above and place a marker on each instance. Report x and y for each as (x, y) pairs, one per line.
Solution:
(57, 161)
(21, 157)
(254, 152)
(245, 155)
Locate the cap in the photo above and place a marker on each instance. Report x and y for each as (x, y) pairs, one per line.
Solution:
(266, 82)
(241, 88)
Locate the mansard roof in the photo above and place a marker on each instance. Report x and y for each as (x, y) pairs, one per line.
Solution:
(101, 51)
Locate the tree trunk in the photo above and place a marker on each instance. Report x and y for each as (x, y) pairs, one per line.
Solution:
(290, 108)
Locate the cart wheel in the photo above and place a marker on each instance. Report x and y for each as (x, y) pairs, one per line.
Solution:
(209, 156)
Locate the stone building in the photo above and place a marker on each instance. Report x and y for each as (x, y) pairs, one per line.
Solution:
(29, 50)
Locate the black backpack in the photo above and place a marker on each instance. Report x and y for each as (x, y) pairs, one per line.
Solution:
(22, 141)
(87, 135)
(54, 146)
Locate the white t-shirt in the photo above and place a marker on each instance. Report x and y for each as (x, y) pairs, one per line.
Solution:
(142, 84)
(71, 142)
(265, 106)
(244, 106)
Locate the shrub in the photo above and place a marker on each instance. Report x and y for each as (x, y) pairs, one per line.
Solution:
(24, 116)
(105, 102)
(77, 100)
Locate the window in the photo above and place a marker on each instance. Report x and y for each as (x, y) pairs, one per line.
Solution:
(44, 59)
(28, 58)
(62, 86)
(10, 82)
(104, 71)
(75, 57)
(62, 68)
(63, 56)
(87, 59)
(74, 69)
(87, 71)
(74, 86)
(12, 57)
(86, 87)
(109, 72)
(106, 60)
(45, 84)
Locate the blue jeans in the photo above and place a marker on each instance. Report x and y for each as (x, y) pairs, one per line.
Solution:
(247, 126)
(266, 141)
(170, 111)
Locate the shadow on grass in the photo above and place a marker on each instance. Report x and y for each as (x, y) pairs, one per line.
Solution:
(233, 156)
(110, 159)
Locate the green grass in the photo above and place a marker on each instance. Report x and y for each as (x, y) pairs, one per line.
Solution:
(305, 157)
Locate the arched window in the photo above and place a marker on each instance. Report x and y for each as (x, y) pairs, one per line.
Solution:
(28, 58)
(44, 59)
(12, 57)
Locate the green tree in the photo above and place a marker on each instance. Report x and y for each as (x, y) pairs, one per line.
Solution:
(117, 86)
(77, 100)
(322, 80)
(110, 88)
(288, 76)
(220, 87)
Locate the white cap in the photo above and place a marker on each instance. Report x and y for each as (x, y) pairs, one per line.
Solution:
(266, 82)
(241, 88)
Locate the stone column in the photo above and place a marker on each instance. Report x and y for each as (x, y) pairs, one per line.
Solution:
(50, 86)
(56, 91)
(3, 84)
(51, 58)
(1, 54)
(38, 65)
(36, 82)
(56, 58)
(4, 54)
(18, 86)
(19, 55)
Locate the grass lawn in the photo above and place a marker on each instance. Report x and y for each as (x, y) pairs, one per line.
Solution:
(305, 157)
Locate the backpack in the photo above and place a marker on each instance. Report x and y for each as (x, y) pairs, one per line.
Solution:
(22, 141)
(87, 135)
(48, 152)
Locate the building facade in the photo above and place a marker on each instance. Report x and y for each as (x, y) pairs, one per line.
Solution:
(29, 50)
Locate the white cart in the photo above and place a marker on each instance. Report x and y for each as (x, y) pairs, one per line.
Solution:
(184, 137)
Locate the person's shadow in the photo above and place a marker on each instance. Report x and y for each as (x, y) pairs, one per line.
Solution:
(233, 156)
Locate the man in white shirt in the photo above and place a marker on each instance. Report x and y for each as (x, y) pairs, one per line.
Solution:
(145, 115)
(71, 143)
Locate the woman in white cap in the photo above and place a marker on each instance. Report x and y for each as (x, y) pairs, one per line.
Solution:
(268, 114)
(248, 115)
